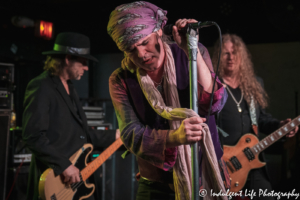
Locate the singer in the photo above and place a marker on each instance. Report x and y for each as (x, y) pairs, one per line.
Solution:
(150, 94)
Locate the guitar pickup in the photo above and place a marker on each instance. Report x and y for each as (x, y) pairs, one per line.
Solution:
(236, 163)
(247, 151)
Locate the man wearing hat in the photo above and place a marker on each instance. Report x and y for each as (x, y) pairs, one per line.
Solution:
(54, 123)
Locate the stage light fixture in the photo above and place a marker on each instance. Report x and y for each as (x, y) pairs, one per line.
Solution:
(21, 21)
(45, 29)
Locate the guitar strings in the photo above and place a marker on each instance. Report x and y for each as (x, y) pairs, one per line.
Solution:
(64, 193)
(73, 187)
(77, 185)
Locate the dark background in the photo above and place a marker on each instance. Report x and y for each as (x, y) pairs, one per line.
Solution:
(257, 22)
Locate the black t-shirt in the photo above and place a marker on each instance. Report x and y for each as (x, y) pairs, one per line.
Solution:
(233, 122)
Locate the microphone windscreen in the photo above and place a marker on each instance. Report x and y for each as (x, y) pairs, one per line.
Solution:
(167, 30)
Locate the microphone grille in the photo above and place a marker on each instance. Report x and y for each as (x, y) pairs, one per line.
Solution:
(167, 30)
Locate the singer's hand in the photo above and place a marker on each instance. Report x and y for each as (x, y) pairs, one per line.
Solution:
(180, 38)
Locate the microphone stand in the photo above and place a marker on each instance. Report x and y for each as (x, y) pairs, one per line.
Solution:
(192, 43)
(192, 32)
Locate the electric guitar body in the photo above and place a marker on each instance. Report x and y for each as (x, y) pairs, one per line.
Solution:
(234, 156)
(56, 189)
(243, 157)
(51, 187)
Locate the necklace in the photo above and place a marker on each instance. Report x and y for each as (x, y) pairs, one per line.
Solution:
(237, 103)
(159, 86)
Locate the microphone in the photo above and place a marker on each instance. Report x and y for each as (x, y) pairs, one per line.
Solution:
(167, 30)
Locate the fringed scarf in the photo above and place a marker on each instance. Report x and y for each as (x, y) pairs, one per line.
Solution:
(174, 113)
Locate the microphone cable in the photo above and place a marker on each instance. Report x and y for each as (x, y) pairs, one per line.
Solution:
(216, 72)
(215, 80)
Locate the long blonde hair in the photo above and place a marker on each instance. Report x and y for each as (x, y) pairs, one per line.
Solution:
(248, 82)
(55, 64)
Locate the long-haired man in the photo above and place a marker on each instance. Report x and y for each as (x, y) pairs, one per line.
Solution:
(244, 111)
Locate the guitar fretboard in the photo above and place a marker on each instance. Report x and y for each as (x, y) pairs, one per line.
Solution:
(275, 136)
(95, 164)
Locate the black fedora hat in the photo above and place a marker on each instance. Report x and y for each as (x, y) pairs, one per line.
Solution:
(72, 44)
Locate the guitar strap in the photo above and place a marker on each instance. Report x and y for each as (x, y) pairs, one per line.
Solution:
(253, 116)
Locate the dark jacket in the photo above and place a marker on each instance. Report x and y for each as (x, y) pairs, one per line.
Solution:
(52, 128)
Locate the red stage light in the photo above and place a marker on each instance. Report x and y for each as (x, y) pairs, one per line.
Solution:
(46, 30)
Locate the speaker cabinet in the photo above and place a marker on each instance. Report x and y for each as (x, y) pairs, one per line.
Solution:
(4, 143)
(6, 85)
(115, 179)
(20, 184)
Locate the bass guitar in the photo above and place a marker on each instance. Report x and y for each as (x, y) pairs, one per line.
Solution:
(243, 157)
(51, 187)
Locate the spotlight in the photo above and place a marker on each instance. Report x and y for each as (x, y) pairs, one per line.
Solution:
(44, 29)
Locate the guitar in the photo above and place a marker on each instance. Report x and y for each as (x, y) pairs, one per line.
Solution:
(243, 157)
(51, 187)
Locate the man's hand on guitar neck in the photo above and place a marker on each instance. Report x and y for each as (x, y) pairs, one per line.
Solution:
(293, 132)
(71, 175)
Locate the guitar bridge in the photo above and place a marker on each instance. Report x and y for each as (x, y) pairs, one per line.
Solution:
(247, 151)
(236, 163)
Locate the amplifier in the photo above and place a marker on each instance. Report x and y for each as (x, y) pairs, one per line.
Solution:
(95, 116)
(4, 145)
(104, 126)
(6, 74)
(6, 99)
(25, 158)
(6, 85)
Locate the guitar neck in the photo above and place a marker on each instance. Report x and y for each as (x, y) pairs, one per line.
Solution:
(275, 136)
(95, 164)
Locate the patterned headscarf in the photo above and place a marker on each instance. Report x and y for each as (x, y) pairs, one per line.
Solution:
(131, 22)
